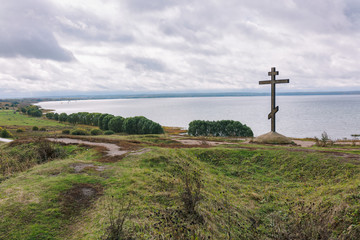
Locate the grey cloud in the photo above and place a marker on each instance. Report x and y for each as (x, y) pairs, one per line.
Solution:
(352, 12)
(26, 31)
(146, 64)
(178, 44)
(89, 27)
(150, 5)
(40, 45)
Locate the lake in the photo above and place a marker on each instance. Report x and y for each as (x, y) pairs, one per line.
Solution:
(298, 116)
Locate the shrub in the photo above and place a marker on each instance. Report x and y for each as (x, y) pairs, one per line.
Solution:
(35, 128)
(79, 131)
(19, 130)
(118, 214)
(96, 132)
(5, 134)
(47, 150)
(43, 129)
(66, 131)
(219, 128)
(324, 140)
(109, 132)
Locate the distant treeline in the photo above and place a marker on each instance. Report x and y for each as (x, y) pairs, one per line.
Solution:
(131, 125)
(219, 128)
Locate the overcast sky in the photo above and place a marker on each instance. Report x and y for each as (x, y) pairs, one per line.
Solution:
(52, 47)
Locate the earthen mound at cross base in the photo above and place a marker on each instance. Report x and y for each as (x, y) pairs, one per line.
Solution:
(272, 138)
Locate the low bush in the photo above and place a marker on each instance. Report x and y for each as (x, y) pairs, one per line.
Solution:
(22, 156)
(20, 130)
(66, 131)
(35, 128)
(42, 129)
(96, 132)
(79, 131)
(5, 134)
(109, 132)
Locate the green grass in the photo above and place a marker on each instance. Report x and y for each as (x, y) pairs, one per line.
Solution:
(8, 118)
(249, 194)
(263, 192)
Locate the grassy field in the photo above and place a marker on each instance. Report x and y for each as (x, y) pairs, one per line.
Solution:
(170, 191)
(8, 118)
(15, 122)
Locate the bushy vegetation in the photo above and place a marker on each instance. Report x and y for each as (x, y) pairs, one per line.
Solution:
(109, 132)
(141, 125)
(32, 110)
(4, 133)
(65, 131)
(20, 130)
(79, 131)
(117, 124)
(96, 132)
(22, 156)
(221, 128)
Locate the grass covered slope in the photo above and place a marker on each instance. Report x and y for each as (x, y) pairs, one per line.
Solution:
(8, 118)
(224, 192)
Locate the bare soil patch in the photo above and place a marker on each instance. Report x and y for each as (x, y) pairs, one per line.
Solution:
(200, 142)
(112, 149)
(80, 167)
(79, 197)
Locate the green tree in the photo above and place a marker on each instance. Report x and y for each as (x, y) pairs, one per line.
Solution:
(63, 117)
(105, 122)
(50, 115)
(100, 120)
(116, 124)
(219, 128)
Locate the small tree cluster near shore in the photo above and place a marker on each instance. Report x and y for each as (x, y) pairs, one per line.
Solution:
(221, 128)
(31, 110)
(117, 124)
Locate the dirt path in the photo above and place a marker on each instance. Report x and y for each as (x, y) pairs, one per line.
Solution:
(5, 140)
(199, 142)
(304, 143)
(112, 149)
(214, 143)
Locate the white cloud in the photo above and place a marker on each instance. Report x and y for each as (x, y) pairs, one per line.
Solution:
(141, 45)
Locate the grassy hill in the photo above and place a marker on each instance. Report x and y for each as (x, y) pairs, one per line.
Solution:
(166, 190)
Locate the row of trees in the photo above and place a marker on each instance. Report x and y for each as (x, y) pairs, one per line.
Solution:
(131, 125)
(219, 128)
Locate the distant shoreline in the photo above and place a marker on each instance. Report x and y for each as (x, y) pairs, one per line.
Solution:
(179, 95)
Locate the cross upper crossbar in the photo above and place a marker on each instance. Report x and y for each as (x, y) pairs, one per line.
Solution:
(276, 81)
(273, 81)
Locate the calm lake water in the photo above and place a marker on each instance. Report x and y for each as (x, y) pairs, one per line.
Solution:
(298, 116)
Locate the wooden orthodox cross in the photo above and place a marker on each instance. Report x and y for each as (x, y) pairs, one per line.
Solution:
(274, 109)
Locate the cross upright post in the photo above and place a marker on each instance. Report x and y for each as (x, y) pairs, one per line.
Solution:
(273, 81)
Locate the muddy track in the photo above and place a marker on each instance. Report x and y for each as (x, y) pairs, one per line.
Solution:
(111, 148)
